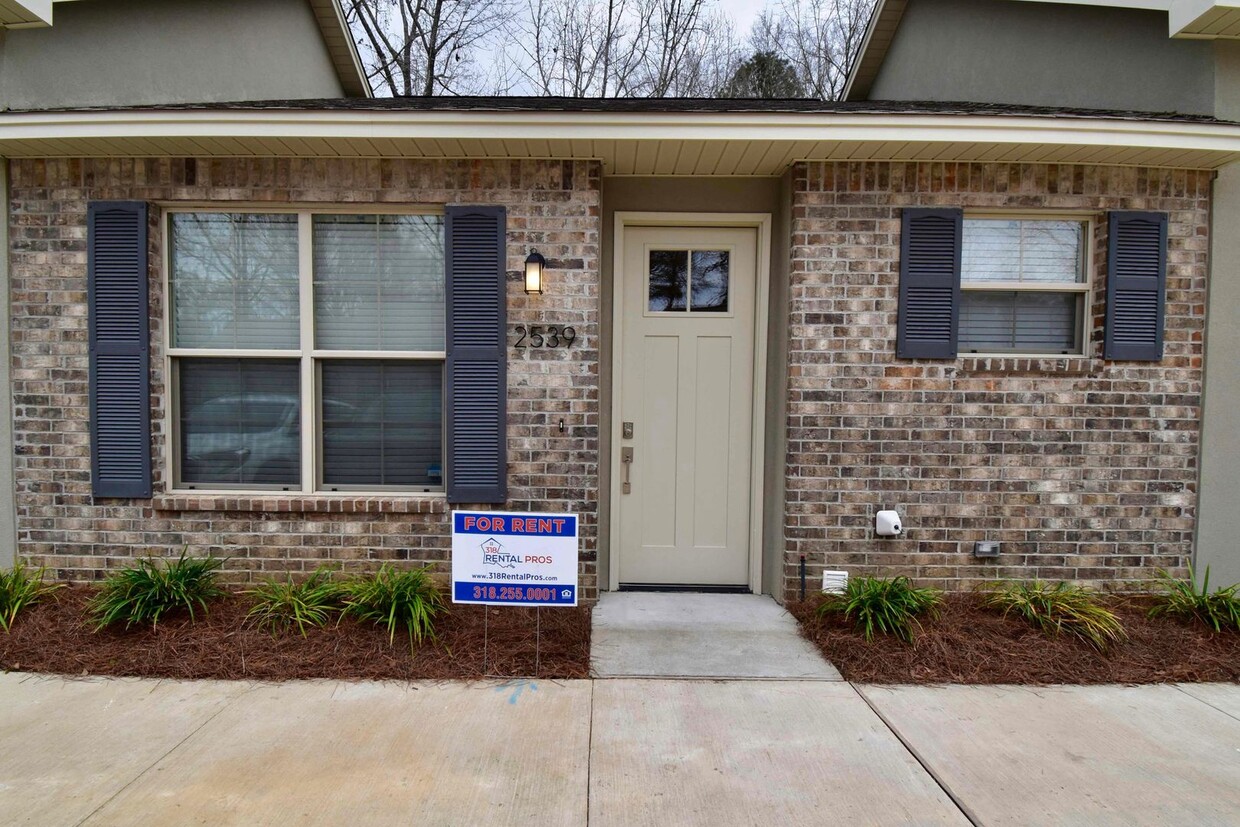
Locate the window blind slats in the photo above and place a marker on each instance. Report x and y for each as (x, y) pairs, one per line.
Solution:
(378, 282)
(1022, 250)
(1013, 321)
(381, 423)
(234, 281)
(240, 422)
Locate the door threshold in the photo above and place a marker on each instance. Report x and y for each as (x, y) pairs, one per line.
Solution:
(683, 587)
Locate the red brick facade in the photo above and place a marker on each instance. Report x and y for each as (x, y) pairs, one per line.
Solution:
(552, 205)
(1082, 468)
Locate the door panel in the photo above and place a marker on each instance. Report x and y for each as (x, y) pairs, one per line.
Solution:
(686, 384)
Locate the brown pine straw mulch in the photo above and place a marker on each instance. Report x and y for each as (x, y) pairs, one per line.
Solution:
(968, 643)
(55, 636)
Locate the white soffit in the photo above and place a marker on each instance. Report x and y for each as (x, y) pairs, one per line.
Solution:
(15, 14)
(640, 144)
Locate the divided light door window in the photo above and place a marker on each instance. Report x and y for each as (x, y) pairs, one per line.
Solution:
(307, 351)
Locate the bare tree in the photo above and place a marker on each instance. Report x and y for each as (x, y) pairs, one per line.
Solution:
(624, 48)
(423, 47)
(566, 47)
(819, 38)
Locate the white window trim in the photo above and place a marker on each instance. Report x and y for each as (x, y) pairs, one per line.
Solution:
(1086, 287)
(306, 355)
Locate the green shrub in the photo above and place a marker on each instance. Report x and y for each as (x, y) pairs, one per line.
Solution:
(20, 588)
(392, 598)
(1219, 609)
(277, 606)
(146, 592)
(1058, 607)
(875, 604)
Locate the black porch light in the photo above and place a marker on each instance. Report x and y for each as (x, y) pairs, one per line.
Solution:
(534, 264)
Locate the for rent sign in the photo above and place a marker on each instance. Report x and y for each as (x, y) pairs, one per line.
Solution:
(520, 559)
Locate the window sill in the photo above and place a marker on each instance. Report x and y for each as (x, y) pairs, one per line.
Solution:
(973, 364)
(292, 503)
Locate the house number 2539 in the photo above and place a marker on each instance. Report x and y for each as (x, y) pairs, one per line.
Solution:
(537, 335)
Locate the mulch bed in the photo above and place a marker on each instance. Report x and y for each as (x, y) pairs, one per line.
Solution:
(968, 643)
(55, 637)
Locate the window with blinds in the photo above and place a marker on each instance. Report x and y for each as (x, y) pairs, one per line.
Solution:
(307, 370)
(1024, 285)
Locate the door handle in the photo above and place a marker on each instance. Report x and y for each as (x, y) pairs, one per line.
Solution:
(626, 457)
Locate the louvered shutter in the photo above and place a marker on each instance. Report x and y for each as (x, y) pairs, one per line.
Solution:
(1136, 285)
(929, 283)
(120, 415)
(476, 383)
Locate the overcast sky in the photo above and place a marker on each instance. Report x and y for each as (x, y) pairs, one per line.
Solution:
(743, 12)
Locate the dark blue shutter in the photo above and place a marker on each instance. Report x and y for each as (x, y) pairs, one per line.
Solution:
(929, 283)
(120, 410)
(1136, 285)
(477, 386)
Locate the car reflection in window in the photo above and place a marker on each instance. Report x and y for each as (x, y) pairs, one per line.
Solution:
(247, 439)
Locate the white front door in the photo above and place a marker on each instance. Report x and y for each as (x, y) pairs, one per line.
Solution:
(686, 388)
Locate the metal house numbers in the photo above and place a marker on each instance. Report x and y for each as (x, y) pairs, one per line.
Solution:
(543, 336)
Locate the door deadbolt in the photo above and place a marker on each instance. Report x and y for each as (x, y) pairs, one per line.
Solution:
(626, 430)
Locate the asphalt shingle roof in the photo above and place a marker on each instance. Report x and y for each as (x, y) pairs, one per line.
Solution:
(658, 105)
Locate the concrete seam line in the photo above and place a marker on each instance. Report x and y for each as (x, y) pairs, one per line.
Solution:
(589, 752)
(1207, 703)
(925, 765)
(170, 750)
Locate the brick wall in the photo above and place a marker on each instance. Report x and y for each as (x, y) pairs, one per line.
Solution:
(552, 205)
(1082, 468)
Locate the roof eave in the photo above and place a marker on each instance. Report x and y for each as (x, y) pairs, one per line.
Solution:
(697, 143)
(879, 33)
(347, 61)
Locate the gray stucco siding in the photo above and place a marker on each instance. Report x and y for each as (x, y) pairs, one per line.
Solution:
(1218, 521)
(1046, 55)
(130, 52)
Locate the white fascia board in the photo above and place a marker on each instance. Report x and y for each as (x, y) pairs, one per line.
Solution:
(541, 126)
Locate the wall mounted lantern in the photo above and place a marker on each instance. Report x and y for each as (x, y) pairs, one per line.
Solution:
(534, 264)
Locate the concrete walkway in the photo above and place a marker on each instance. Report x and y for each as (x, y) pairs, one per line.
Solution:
(689, 635)
(614, 752)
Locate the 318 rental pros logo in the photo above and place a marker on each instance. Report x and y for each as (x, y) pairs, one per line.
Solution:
(493, 554)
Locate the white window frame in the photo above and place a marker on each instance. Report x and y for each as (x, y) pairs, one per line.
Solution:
(307, 355)
(1083, 288)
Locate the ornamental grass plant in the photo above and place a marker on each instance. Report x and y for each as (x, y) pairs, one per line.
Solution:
(279, 605)
(1218, 609)
(883, 606)
(1057, 608)
(394, 598)
(148, 591)
(20, 588)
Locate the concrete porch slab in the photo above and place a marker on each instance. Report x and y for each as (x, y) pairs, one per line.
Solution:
(751, 752)
(67, 746)
(690, 635)
(330, 753)
(1097, 755)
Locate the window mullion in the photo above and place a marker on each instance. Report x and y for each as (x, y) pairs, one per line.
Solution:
(309, 412)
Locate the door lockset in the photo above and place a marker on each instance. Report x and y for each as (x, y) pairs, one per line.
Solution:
(626, 457)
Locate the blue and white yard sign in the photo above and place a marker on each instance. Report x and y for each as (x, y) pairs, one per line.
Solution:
(502, 557)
